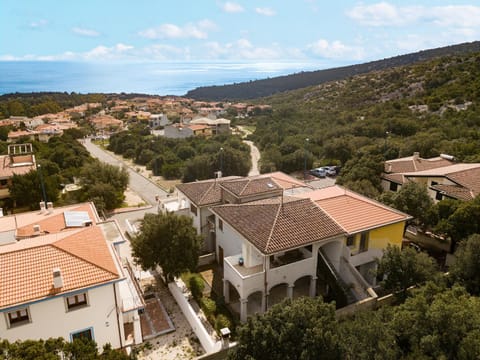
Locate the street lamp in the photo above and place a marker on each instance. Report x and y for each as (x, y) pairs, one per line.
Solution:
(385, 146)
(221, 161)
(305, 159)
(42, 185)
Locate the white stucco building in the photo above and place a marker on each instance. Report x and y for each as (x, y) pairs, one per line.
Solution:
(61, 276)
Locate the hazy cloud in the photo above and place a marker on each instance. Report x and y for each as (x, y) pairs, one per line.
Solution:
(231, 7)
(387, 14)
(265, 11)
(335, 50)
(107, 53)
(85, 32)
(198, 30)
(38, 24)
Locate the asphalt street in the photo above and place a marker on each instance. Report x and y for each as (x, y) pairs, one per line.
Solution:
(138, 183)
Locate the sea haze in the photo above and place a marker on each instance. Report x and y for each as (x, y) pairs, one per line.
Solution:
(148, 78)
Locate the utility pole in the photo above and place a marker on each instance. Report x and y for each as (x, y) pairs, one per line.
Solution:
(42, 185)
(305, 160)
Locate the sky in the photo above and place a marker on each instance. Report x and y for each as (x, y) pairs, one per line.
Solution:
(323, 32)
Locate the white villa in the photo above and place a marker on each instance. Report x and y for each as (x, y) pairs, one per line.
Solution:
(276, 237)
(62, 277)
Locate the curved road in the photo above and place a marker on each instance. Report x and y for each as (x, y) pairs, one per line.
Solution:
(254, 152)
(141, 185)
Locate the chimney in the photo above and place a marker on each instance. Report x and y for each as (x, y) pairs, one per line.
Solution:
(57, 278)
(36, 229)
(49, 207)
(42, 207)
(416, 155)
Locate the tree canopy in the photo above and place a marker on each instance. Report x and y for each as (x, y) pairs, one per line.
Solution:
(57, 348)
(401, 269)
(300, 329)
(104, 184)
(169, 241)
(466, 268)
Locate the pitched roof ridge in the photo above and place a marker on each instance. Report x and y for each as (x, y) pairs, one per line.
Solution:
(73, 253)
(205, 193)
(374, 202)
(279, 210)
(328, 215)
(245, 187)
(82, 259)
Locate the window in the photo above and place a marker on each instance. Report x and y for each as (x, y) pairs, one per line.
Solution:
(351, 241)
(83, 334)
(393, 186)
(193, 209)
(220, 224)
(434, 183)
(363, 242)
(76, 301)
(3, 182)
(438, 196)
(18, 317)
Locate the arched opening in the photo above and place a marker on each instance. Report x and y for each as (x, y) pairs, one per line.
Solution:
(232, 300)
(277, 294)
(254, 305)
(302, 287)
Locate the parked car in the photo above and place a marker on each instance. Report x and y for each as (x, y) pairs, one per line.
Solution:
(331, 170)
(319, 172)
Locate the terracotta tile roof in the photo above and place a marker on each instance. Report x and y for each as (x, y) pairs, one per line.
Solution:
(274, 225)
(352, 211)
(444, 171)
(285, 181)
(204, 192)
(454, 191)
(469, 179)
(415, 163)
(9, 168)
(251, 186)
(49, 223)
(83, 257)
(396, 178)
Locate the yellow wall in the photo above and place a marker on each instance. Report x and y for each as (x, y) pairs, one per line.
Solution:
(391, 234)
(380, 237)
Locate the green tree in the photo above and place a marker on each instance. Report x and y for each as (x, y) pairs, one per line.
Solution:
(438, 325)
(26, 190)
(414, 200)
(169, 241)
(301, 329)
(104, 184)
(57, 349)
(466, 268)
(401, 269)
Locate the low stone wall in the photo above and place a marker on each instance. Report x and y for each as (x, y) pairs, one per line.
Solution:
(206, 259)
(178, 290)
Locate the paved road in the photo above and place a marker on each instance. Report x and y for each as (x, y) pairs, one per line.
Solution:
(142, 186)
(254, 153)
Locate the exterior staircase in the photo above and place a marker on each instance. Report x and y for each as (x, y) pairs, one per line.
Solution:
(325, 267)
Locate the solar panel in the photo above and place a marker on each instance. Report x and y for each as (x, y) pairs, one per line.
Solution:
(76, 218)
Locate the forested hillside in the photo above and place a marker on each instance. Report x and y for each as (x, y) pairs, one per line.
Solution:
(267, 87)
(431, 107)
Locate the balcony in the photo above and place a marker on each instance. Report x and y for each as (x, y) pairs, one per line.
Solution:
(290, 257)
(243, 278)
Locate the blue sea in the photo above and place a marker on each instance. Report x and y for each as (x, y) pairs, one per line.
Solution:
(148, 78)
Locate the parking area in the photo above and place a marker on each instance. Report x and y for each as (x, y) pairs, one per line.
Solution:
(318, 183)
